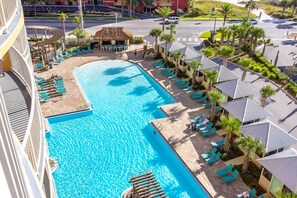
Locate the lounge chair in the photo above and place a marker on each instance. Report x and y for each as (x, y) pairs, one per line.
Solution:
(218, 143)
(79, 51)
(180, 80)
(216, 110)
(231, 177)
(207, 105)
(214, 158)
(39, 80)
(89, 49)
(198, 96)
(61, 90)
(58, 82)
(173, 76)
(73, 53)
(197, 119)
(189, 88)
(209, 132)
(205, 128)
(252, 194)
(181, 83)
(63, 56)
(158, 63)
(209, 154)
(225, 171)
(202, 99)
(184, 85)
(56, 60)
(195, 93)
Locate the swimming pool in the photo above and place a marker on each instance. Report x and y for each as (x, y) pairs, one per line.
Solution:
(98, 150)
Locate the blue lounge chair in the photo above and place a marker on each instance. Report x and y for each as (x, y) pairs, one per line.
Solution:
(56, 60)
(225, 171)
(205, 128)
(214, 158)
(195, 93)
(207, 105)
(202, 99)
(209, 154)
(64, 56)
(84, 51)
(173, 76)
(73, 53)
(58, 82)
(218, 143)
(79, 51)
(216, 110)
(180, 80)
(209, 132)
(252, 194)
(197, 119)
(231, 177)
(61, 90)
(189, 88)
(89, 49)
(183, 85)
(198, 96)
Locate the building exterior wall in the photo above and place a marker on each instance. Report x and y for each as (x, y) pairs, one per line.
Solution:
(25, 165)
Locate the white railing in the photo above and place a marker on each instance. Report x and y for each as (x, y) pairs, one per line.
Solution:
(10, 9)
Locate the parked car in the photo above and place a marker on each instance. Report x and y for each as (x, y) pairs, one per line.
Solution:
(172, 19)
(253, 21)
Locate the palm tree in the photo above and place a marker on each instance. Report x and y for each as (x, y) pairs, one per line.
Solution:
(177, 55)
(168, 38)
(233, 30)
(241, 30)
(284, 194)
(245, 63)
(266, 42)
(77, 21)
(232, 126)
(225, 10)
(164, 12)
(293, 4)
(223, 31)
(251, 146)
(284, 4)
(63, 17)
(80, 34)
(256, 34)
(171, 27)
(250, 5)
(266, 92)
(211, 76)
(226, 52)
(194, 65)
(215, 96)
(156, 32)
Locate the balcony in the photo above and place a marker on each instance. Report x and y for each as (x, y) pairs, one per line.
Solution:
(18, 103)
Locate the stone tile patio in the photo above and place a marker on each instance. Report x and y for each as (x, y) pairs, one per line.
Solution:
(186, 143)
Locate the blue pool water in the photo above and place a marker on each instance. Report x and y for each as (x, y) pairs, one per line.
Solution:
(98, 150)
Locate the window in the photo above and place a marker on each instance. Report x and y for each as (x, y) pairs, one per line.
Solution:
(267, 174)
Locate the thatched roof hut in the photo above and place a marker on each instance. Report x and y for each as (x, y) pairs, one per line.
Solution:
(113, 33)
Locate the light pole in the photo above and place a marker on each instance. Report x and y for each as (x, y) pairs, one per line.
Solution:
(177, 1)
(81, 15)
(130, 8)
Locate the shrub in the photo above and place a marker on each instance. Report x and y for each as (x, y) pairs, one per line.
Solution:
(257, 69)
(207, 43)
(272, 76)
(208, 52)
(265, 72)
(247, 178)
(246, 47)
(137, 39)
(292, 88)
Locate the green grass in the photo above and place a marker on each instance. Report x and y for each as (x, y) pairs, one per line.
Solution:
(205, 11)
(200, 18)
(207, 35)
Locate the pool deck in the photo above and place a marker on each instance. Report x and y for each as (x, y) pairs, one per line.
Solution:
(186, 143)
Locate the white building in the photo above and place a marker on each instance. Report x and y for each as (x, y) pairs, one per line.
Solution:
(24, 161)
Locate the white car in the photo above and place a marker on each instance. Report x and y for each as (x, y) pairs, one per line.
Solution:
(172, 20)
(253, 21)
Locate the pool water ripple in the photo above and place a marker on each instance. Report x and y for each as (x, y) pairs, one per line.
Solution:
(98, 152)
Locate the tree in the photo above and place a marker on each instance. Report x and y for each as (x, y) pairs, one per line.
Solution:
(223, 31)
(171, 27)
(63, 17)
(232, 127)
(194, 65)
(266, 42)
(293, 4)
(80, 34)
(168, 38)
(251, 146)
(77, 21)
(245, 63)
(211, 76)
(250, 5)
(284, 4)
(156, 32)
(177, 55)
(225, 52)
(256, 34)
(266, 92)
(284, 194)
(215, 97)
(164, 12)
(233, 30)
(225, 10)
(241, 30)
(290, 71)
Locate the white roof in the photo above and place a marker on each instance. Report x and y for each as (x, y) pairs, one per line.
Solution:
(236, 88)
(272, 136)
(225, 74)
(189, 53)
(283, 166)
(150, 39)
(206, 63)
(245, 110)
(173, 46)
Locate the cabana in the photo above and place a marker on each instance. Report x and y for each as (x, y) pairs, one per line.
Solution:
(189, 54)
(279, 172)
(113, 38)
(171, 47)
(236, 89)
(245, 110)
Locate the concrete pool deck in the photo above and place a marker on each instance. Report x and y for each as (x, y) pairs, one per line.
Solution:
(186, 143)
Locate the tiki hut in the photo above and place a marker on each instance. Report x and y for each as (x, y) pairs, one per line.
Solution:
(113, 36)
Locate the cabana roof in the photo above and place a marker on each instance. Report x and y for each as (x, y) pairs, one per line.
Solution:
(225, 74)
(283, 166)
(56, 34)
(206, 62)
(236, 88)
(173, 46)
(272, 136)
(189, 53)
(245, 110)
(113, 33)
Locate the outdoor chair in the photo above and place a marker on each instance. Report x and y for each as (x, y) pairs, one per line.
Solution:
(114, 48)
(209, 132)
(207, 105)
(189, 88)
(252, 194)
(209, 154)
(218, 143)
(38, 66)
(84, 51)
(216, 110)
(122, 47)
(182, 86)
(179, 80)
(195, 93)
(173, 76)
(198, 96)
(109, 48)
(73, 53)
(89, 49)
(56, 60)
(202, 99)
(231, 177)
(61, 90)
(58, 82)
(225, 171)
(205, 128)
(213, 159)
(197, 119)
(79, 51)
(102, 48)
